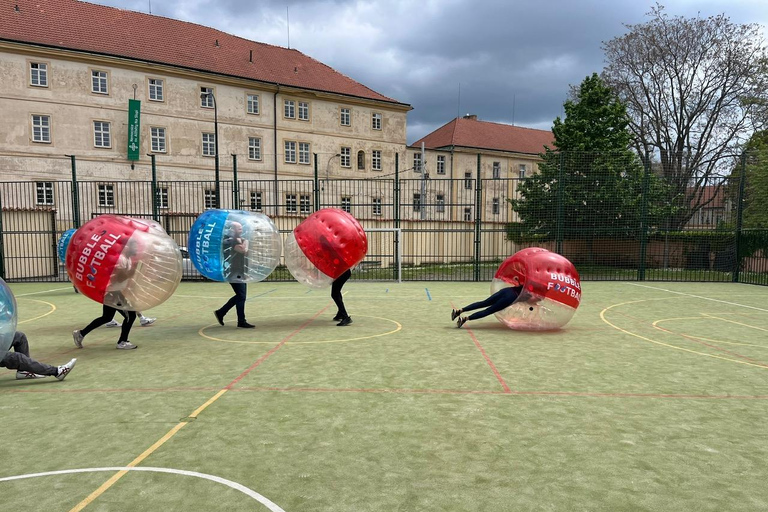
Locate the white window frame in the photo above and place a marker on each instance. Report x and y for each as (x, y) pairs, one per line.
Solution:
(99, 82)
(289, 151)
(256, 201)
(346, 157)
(495, 208)
(206, 99)
(106, 193)
(305, 205)
(209, 198)
(417, 163)
(41, 128)
(376, 159)
(158, 140)
(252, 104)
(208, 148)
(44, 193)
(304, 150)
(289, 109)
(162, 197)
(38, 74)
(417, 205)
(156, 89)
(102, 134)
(254, 148)
(346, 203)
(468, 181)
(468, 214)
(302, 113)
(345, 116)
(440, 203)
(496, 170)
(440, 164)
(522, 171)
(290, 203)
(376, 118)
(376, 206)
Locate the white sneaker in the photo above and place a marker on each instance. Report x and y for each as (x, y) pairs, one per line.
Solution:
(78, 339)
(112, 323)
(22, 375)
(65, 369)
(145, 321)
(125, 345)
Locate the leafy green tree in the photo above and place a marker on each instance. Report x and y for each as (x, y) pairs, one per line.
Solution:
(591, 185)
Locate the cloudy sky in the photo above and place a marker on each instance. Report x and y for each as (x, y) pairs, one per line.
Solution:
(508, 61)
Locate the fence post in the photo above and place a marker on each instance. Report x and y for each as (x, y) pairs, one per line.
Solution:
(560, 206)
(75, 193)
(235, 184)
(317, 185)
(396, 213)
(478, 218)
(644, 217)
(155, 198)
(740, 217)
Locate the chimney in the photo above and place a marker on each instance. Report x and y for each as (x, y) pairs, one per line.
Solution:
(471, 117)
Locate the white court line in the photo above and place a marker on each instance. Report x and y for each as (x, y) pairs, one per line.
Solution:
(700, 297)
(229, 483)
(44, 291)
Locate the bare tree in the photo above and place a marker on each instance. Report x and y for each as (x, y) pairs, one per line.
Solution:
(695, 90)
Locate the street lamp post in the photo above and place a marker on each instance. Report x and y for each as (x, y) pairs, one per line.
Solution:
(217, 189)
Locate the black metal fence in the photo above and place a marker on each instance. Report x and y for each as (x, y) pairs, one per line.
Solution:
(614, 219)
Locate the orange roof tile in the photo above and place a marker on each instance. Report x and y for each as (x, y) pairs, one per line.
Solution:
(81, 26)
(471, 133)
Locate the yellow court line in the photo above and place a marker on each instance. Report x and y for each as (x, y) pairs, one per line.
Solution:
(602, 316)
(701, 338)
(734, 322)
(135, 462)
(53, 308)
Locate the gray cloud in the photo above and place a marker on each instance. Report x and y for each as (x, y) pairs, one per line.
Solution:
(511, 60)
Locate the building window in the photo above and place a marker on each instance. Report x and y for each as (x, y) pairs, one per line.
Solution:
(346, 157)
(376, 121)
(209, 198)
(361, 160)
(38, 74)
(440, 164)
(156, 89)
(496, 170)
(289, 109)
(290, 152)
(256, 201)
(376, 210)
(254, 148)
(416, 202)
(304, 153)
(346, 203)
(522, 171)
(467, 214)
(417, 162)
(44, 193)
(206, 97)
(101, 138)
(290, 203)
(376, 160)
(252, 104)
(157, 137)
(346, 117)
(304, 206)
(495, 207)
(106, 195)
(440, 203)
(468, 180)
(303, 111)
(99, 82)
(209, 144)
(162, 197)
(41, 129)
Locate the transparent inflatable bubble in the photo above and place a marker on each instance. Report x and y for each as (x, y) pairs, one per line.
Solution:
(532, 312)
(303, 270)
(8, 318)
(235, 246)
(129, 264)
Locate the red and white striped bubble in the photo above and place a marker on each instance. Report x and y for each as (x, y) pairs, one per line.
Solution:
(551, 290)
(122, 262)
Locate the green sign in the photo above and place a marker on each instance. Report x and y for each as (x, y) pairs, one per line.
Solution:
(134, 129)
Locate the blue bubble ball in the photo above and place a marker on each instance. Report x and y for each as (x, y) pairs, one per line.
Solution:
(61, 246)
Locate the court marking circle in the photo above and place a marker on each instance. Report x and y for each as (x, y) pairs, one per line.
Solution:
(53, 308)
(229, 483)
(398, 327)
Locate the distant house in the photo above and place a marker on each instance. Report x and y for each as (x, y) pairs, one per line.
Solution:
(714, 206)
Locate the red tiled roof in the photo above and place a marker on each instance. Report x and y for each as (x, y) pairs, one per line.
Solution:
(471, 133)
(81, 26)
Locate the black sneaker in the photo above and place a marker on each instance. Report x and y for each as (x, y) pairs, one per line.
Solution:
(461, 321)
(219, 317)
(454, 314)
(344, 321)
(338, 317)
(245, 325)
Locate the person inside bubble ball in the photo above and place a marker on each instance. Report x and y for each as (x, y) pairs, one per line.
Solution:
(28, 368)
(336, 287)
(500, 300)
(124, 269)
(235, 248)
